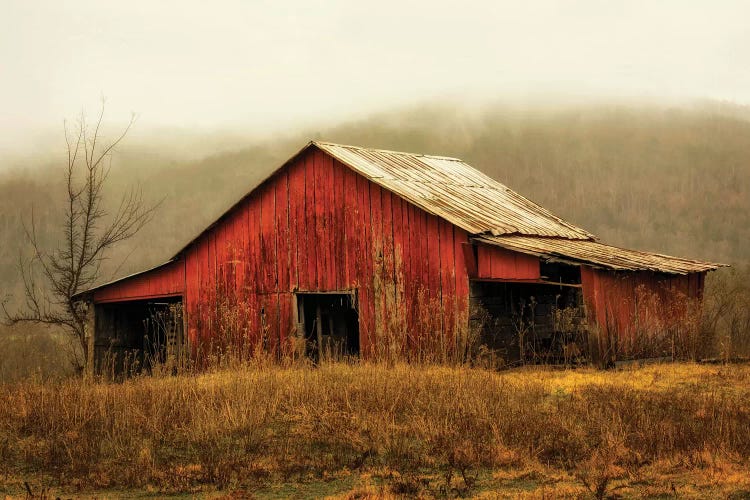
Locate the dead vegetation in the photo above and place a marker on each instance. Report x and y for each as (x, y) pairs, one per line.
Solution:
(402, 431)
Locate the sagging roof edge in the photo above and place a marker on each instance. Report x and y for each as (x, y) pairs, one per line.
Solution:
(555, 256)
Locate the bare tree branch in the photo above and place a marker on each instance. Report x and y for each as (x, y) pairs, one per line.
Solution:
(89, 232)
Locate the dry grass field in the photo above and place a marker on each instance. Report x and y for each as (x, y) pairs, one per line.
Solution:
(357, 431)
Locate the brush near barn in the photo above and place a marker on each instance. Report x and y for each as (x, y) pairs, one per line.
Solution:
(347, 251)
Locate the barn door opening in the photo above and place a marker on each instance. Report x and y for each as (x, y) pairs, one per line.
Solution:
(331, 325)
(535, 323)
(163, 335)
(136, 336)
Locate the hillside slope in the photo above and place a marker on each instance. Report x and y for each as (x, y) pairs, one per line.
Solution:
(674, 180)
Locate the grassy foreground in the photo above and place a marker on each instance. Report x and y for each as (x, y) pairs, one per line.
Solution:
(353, 431)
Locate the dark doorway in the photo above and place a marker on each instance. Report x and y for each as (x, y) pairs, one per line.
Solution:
(136, 336)
(530, 322)
(330, 323)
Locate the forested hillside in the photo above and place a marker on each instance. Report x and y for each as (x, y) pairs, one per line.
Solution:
(668, 179)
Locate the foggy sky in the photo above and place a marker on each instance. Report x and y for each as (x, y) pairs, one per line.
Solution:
(267, 65)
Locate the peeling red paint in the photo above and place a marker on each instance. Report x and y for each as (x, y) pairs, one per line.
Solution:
(317, 226)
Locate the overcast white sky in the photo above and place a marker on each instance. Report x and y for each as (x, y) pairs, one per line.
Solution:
(255, 65)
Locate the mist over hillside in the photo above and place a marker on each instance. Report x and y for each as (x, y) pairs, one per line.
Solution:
(669, 179)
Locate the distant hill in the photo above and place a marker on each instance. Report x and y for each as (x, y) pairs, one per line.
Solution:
(669, 179)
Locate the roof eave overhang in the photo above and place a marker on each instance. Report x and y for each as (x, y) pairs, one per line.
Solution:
(547, 256)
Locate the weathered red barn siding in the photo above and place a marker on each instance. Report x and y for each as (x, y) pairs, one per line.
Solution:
(498, 263)
(632, 305)
(318, 226)
(164, 281)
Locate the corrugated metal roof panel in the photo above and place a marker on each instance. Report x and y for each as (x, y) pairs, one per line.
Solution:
(598, 254)
(455, 191)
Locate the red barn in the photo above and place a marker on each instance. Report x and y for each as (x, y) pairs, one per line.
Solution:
(352, 251)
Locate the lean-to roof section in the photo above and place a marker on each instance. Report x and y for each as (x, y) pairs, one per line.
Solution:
(597, 254)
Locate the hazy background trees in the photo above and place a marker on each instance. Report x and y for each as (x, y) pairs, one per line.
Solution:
(673, 179)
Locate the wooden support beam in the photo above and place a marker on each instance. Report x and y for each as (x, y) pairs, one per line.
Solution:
(470, 259)
(319, 331)
(89, 329)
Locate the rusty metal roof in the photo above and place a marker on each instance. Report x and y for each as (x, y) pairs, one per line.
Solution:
(491, 212)
(597, 254)
(457, 192)
(454, 191)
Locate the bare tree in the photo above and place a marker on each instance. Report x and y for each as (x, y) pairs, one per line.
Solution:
(52, 278)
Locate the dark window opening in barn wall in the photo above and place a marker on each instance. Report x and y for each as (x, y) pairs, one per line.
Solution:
(135, 336)
(560, 273)
(330, 324)
(529, 322)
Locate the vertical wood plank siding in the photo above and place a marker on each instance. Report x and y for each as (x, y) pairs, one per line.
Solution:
(164, 281)
(498, 263)
(627, 305)
(317, 226)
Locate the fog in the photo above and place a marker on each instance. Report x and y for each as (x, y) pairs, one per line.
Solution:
(628, 118)
(266, 67)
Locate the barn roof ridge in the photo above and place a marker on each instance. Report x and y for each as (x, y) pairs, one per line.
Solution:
(380, 150)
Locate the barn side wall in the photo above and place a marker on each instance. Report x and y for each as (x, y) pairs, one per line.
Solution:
(638, 314)
(317, 226)
(498, 263)
(164, 281)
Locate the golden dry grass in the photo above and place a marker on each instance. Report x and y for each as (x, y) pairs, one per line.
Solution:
(353, 431)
